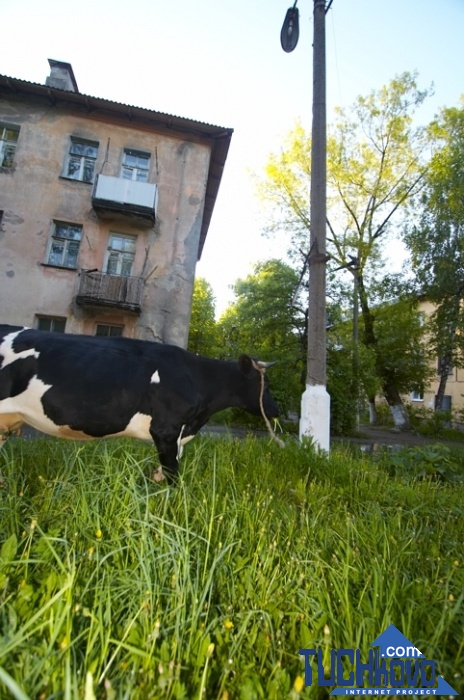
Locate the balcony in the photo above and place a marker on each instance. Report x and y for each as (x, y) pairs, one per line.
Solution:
(115, 196)
(116, 291)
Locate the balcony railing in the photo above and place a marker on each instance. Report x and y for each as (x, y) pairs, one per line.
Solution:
(117, 291)
(128, 197)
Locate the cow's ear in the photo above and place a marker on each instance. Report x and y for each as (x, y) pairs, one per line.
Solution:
(245, 364)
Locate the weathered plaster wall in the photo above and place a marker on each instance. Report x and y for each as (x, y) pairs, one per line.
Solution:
(34, 194)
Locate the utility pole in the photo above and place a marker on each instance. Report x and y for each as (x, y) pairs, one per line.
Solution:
(315, 402)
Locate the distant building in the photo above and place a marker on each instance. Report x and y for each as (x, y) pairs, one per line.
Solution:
(104, 210)
(454, 392)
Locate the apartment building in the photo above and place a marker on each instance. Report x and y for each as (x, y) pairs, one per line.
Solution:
(104, 210)
(454, 391)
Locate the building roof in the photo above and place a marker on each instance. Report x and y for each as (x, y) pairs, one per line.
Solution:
(218, 136)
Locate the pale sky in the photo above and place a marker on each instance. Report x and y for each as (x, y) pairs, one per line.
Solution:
(220, 61)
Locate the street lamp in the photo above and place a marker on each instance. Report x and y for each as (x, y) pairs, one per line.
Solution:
(315, 401)
(290, 32)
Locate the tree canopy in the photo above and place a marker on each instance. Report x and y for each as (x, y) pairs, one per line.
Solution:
(374, 169)
(436, 241)
(264, 323)
(203, 338)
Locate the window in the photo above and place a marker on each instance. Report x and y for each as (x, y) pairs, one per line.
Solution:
(135, 165)
(64, 245)
(417, 395)
(8, 141)
(104, 330)
(120, 255)
(81, 160)
(56, 324)
(441, 368)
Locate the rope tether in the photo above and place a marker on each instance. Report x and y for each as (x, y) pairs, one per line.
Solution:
(262, 371)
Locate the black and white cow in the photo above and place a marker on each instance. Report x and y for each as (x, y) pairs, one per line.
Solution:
(87, 387)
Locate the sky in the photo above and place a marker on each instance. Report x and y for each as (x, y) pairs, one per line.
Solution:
(220, 62)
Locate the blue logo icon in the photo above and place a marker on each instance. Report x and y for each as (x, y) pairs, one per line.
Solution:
(394, 667)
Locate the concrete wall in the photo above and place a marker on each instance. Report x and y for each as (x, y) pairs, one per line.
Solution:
(33, 194)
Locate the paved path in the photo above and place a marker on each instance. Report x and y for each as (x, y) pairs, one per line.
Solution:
(369, 435)
(390, 436)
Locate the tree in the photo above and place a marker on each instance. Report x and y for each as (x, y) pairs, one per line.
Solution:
(264, 323)
(437, 243)
(374, 168)
(400, 350)
(203, 339)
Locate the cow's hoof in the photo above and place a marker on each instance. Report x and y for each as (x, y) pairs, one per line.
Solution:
(158, 475)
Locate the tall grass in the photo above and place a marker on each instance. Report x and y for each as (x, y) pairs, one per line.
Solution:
(112, 587)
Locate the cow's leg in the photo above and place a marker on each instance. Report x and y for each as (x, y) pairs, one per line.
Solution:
(10, 424)
(168, 454)
(3, 439)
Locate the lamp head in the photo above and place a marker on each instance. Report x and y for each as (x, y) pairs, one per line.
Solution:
(290, 29)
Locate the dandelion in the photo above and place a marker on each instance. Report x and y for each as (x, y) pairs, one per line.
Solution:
(228, 624)
(298, 685)
(98, 534)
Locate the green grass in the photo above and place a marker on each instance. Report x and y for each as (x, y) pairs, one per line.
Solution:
(112, 587)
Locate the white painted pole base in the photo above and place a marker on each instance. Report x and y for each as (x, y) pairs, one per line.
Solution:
(315, 416)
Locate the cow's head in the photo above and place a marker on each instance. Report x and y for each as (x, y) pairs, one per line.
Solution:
(254, 372)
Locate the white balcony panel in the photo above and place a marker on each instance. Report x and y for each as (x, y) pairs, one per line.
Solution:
(127, 192)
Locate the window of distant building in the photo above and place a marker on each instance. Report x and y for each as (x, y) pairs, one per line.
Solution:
(135, 165)
(107, 331)
(64, 245)
(417, 395)
(120, 254)
(81, 159)
(8, 141)
(441, 367)
(56, 324)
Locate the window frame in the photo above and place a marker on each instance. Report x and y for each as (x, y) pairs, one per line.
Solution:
(111, 327)
(84, 158)
(440, 366)
(132, 171)
(54, 320)
(112, 252)
(7, 144)
(66, 242)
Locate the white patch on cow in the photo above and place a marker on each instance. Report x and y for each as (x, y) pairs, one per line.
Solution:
(155, 378)
(29, 407)
(138, 427)
(9, 355)
(187, 439)
(181, 441)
